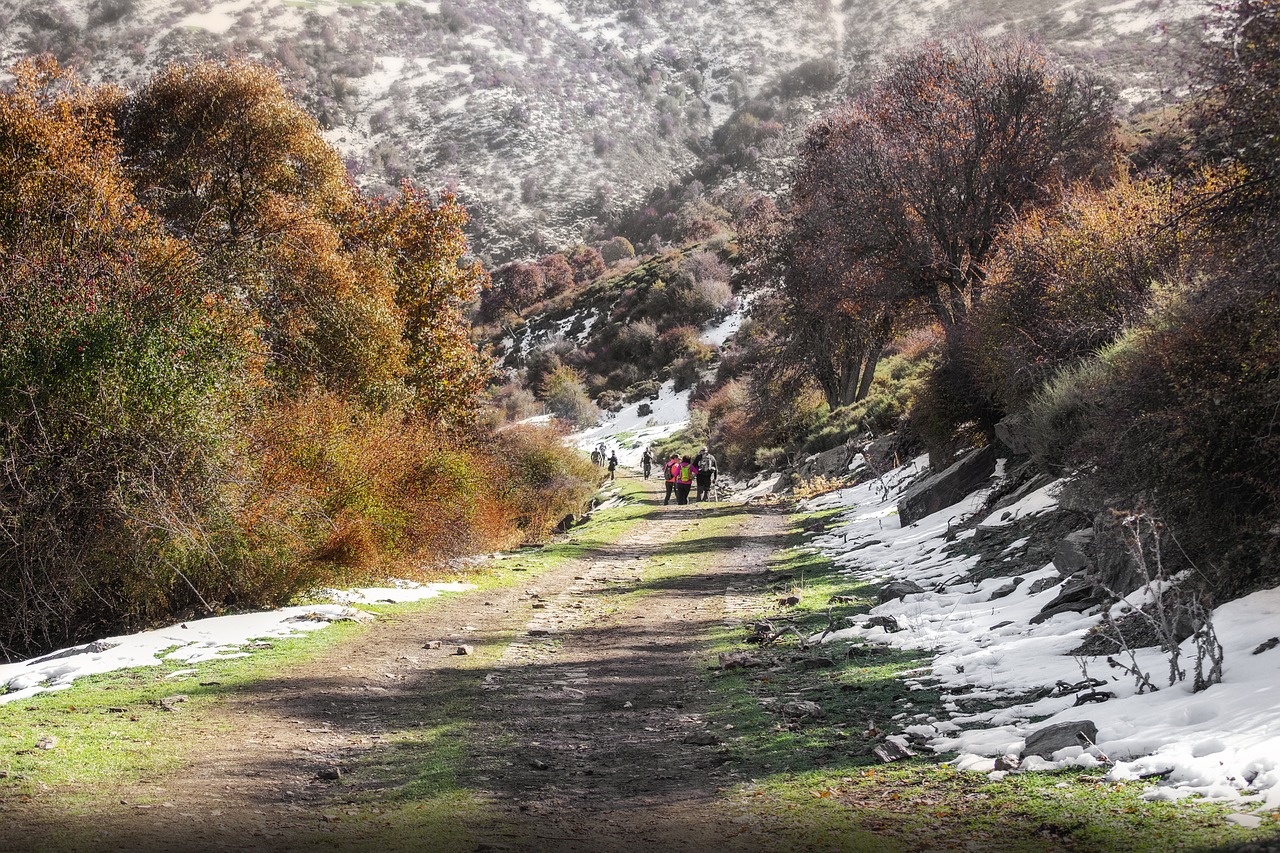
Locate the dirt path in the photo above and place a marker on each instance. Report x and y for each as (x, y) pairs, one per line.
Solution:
(578, 714)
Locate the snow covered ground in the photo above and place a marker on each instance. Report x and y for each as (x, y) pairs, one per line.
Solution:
(199, 640)
(628, 432)
(1221, 743)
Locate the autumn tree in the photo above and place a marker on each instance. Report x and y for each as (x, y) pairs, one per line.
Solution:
(919, 174)
(420, 244)
(119, 376)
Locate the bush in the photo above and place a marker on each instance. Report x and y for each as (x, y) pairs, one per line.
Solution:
(565, 396)
(1067, 281)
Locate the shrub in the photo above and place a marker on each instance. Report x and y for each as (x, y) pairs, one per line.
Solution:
(1067, 281)
(565, 396)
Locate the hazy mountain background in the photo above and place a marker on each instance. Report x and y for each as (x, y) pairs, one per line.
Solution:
(552, 117)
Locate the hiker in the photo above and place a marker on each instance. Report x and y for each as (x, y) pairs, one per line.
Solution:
(595, 458)
(706, 465)
(613, 465)
(646, 462)
(603, 453)
(687, 472)
(672, 471)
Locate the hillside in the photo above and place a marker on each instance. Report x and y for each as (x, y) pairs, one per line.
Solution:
(553, 117)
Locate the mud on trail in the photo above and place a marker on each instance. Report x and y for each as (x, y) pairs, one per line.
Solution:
(575, 723)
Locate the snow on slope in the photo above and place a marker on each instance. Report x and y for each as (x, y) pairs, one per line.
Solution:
(1222, 743)
(628, 432)
(197, 640)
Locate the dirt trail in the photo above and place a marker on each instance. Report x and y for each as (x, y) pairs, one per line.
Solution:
(580, 710)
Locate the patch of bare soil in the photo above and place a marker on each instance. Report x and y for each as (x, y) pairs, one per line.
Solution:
(580, 708)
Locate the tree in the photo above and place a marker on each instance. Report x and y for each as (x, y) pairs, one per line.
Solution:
(917, 176)
(421, 246)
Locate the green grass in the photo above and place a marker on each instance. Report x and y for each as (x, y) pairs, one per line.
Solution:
(111, 729)
(821, 787)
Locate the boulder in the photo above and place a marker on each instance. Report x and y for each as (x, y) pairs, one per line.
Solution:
(1074, 553)
(894, 590)
(1048, 740)
(1014, 434)
(1078, 595)
(830, 463)
(1116, 568)
(941, 490)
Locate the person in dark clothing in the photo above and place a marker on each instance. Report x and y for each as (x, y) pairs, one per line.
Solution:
(613, 465)
(646, 462)
(706, 465)
(671, 470)
(686, 473)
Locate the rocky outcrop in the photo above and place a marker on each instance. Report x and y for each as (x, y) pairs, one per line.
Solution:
(941, 490)
(1013, 435)
(1074, 553)
(832, 463)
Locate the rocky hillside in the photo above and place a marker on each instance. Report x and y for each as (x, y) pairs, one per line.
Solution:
(553, 116)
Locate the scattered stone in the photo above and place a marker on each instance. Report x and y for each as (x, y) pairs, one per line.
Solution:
(432, 644)
(464, 650)
(1007, 589)
(789, 601)
(329, 774)
(347, 614)
(539, 605)
(892, 750)
(1039, 586)
(888, 623)
(842, 599)
(539, 764)
(168, 703)
(739, 660)
(1267, 646)
(894, 590)
(802, 708)
(1008, 762)
(1048, 740)
(702, 738)
(47, 742)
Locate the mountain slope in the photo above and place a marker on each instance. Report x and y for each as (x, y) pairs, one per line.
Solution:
(551, 115)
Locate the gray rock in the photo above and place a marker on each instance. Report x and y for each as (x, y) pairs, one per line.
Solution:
(941, 490)
(1014, 435)
(329, 774)
(464, 650)
(832, 463)
(891, 750)
(1008, 762)
(739, 660)
(1074, 553)
(888, 623)
(1078, 595)
(1267, 645)
(1007, 589)
(432, 644)
(894, 590)
(1048, 740)
(1042, 584)
(802, 708)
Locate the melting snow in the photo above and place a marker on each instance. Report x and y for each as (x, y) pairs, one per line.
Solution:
(197, 640)
(1222, 743)
(628, 432)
